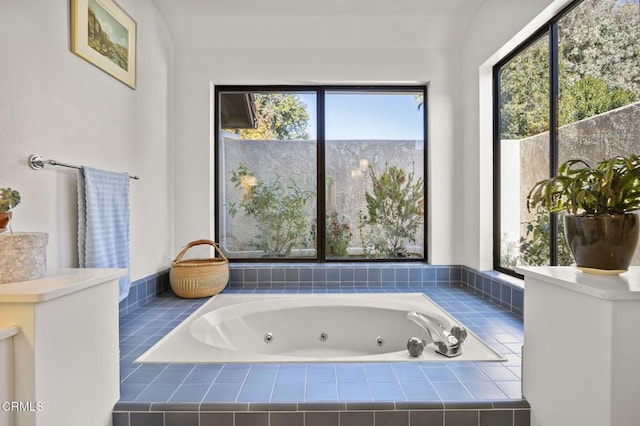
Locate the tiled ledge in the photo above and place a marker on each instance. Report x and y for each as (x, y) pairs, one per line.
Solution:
(144, 290)
(481, 413)
(342, 274)
(501, 289)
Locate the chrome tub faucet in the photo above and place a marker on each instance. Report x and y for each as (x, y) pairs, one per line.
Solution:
(448, 342)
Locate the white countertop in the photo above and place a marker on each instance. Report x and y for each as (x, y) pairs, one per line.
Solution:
(10, 331)
(55, 284)
(625, 286)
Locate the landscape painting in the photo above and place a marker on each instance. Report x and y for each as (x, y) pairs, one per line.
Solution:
(103, 34)
(106, 35)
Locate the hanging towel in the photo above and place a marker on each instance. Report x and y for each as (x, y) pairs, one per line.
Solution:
(103, 222)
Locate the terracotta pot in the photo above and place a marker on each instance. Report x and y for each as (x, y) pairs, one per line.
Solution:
(602, 242)
(5, 218)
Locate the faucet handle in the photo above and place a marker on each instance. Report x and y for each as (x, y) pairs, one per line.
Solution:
(415, 346)
(459, 332)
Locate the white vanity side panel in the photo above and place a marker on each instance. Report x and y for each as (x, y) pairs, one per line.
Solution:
(66, 356)
(22, 314)
(567, 356)
(625, 366)
(78, 374)
(6, 378)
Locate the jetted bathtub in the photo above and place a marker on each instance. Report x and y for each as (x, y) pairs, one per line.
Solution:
(351, 327)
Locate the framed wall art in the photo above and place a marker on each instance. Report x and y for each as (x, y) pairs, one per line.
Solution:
(103, 34)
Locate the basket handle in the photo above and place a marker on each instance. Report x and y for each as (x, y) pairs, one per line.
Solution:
(197, 243)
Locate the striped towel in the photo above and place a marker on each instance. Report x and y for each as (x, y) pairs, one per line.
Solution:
(103, 221)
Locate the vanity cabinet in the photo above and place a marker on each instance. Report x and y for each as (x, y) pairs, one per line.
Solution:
(65, 357)
(581, 355)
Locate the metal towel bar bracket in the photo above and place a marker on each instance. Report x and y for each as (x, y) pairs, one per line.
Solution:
(36, 162)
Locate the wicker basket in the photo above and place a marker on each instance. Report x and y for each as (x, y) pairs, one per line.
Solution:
(194, 278)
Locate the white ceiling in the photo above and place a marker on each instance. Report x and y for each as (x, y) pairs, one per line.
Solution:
(173, 8)
(318, 24)
(383, 24)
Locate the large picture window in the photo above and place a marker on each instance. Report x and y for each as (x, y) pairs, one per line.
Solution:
(321, 173)
(572, 91)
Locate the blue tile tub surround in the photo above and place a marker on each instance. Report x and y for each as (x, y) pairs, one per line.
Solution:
(331, 275)
(144, 291)
(501, 289)
(387, 393)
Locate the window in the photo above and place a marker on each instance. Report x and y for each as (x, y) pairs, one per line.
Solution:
(571, 91)
(320, 173)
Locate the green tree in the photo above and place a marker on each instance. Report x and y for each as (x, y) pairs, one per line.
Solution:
(524, 92)
(281, 116)
(588, 97)
(601, 38)
(599, 58)
(599, 69)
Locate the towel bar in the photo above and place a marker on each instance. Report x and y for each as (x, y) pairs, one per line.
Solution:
(36, 162)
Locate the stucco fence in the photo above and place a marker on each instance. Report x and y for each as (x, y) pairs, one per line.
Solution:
(347, 180)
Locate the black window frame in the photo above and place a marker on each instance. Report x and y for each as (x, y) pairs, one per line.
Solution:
(320, 91)
(550, 28)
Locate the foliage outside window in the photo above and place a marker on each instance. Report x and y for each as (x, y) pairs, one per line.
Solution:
(395, 209)
(593, 51)
(280, 116)
(270, 160)
(277, 208)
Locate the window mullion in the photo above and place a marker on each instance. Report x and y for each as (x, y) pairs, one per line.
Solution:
(554, 91)
(497, 161)
(321, 214)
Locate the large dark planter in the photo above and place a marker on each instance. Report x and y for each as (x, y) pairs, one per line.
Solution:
(603, 242)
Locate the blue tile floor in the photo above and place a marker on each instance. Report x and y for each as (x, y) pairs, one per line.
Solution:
(441, 383)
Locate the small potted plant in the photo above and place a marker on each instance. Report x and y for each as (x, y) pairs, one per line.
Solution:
(598, 203)
(9, 198)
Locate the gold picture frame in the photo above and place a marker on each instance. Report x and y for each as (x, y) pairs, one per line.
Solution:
(103, 34)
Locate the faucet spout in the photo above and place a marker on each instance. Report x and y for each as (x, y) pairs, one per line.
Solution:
(447, 340)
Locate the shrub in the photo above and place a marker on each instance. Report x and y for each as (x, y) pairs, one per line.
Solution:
(278, 210)
(395, 211)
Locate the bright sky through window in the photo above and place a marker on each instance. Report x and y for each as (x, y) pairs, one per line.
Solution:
(369, 116)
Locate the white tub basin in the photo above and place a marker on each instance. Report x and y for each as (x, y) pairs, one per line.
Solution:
(351, 327)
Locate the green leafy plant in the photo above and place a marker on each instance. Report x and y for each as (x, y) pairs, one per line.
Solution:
(612, 187)
(534, 246)
(279, 211)
(395, 211)
(338, 236)
(9, 198)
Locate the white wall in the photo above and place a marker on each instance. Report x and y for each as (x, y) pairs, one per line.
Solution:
(55, 104)
(498, 27)
(457, 71)
(198, 69)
